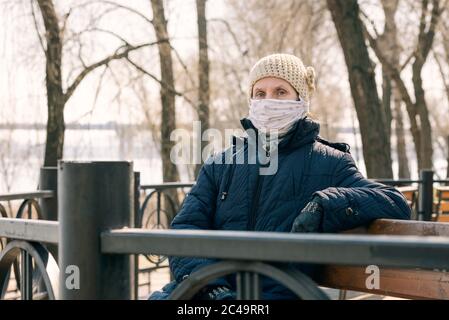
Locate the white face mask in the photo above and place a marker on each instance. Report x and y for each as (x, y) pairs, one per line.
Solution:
(280, 115)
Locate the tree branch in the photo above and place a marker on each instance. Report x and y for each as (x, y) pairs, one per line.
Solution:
(152, 76)
(394, 73)
(122, 7)
(37, 28)
(116, 56)
(426, 37)
(443, 75)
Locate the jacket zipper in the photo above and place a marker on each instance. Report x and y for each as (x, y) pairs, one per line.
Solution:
(225, 191)
(255, 203)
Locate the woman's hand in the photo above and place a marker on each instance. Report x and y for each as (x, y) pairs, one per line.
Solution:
(310, 218)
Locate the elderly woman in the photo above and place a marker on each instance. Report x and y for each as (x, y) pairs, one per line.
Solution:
(316, 186)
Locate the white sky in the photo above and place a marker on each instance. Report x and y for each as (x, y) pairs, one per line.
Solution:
(22, 65)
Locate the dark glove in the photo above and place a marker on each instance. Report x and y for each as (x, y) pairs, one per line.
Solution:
(216, 293)
(310, 218)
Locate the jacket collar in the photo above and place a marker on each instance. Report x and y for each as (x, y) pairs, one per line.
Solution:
(304, 131)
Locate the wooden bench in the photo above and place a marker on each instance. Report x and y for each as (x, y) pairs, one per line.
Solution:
(442, 207)
(410, 193)
(404, 283)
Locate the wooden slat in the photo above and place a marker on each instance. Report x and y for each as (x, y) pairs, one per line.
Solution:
(408, 228)
(405, 283)
(443, 192)
(409, 193)
(443, 218)
(411, 284)
(444, 207)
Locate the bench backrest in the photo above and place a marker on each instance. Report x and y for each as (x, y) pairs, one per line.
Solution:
(406, 283)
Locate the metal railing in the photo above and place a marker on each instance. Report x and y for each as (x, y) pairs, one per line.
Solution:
(97, 231)
(154, 213)
(28, 258)
(426, 182)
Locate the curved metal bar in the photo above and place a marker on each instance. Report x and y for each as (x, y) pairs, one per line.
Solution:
(171, 202)
(3, 212)
(144, 205)
(147, 225)
(147, 200)
(44, 262)
(26, 203)
(30, 203)
(294, 280)
(155, 259)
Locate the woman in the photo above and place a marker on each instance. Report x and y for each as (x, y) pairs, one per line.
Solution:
(316, 186)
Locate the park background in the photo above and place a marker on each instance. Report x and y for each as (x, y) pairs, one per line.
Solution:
(111, 80)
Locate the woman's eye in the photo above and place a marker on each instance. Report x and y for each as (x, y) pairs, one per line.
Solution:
(259, 94)
(281, 92)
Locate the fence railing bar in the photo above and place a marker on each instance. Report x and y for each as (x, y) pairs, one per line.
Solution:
(27, 195)
(403, 251)
(29, 230)
(167, 185)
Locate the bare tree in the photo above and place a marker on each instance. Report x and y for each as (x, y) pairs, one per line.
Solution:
(57, 96)
(252, 29)
(442, 59)
(417, 108)
(370, 113)
(168, 124)
(203, 72)
(389, 43)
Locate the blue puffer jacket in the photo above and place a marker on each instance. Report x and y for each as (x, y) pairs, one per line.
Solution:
(236, 197)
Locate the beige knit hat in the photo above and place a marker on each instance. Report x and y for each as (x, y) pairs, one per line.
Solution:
(287, 67)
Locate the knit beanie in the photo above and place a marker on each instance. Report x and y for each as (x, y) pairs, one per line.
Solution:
(287, 67)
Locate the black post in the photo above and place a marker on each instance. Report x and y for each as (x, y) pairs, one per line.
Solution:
(425, 195)
(48, 180)
(136, 224)
(93, 196)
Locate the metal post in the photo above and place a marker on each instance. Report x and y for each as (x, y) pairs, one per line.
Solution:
(48, 180)
(248, 286)
(26, 276)
(93, 196)
(425, 195)
(136, 224)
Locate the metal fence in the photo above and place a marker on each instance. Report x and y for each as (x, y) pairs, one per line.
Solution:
(90, 252)
(426, 184)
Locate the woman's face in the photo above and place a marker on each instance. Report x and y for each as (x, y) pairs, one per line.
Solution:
(273, 88)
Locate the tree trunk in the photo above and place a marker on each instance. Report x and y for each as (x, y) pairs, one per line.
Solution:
(203, 73)
(376, 143)
(55, 96)
(386, 100)
(168, 121)
(404, 170)
(447, 159)
(426, 148)
(389, 43)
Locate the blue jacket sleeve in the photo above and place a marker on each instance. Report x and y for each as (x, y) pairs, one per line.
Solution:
(197, 213)
(354, 201)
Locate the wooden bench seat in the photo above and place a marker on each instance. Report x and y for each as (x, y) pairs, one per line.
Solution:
(405, 283)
